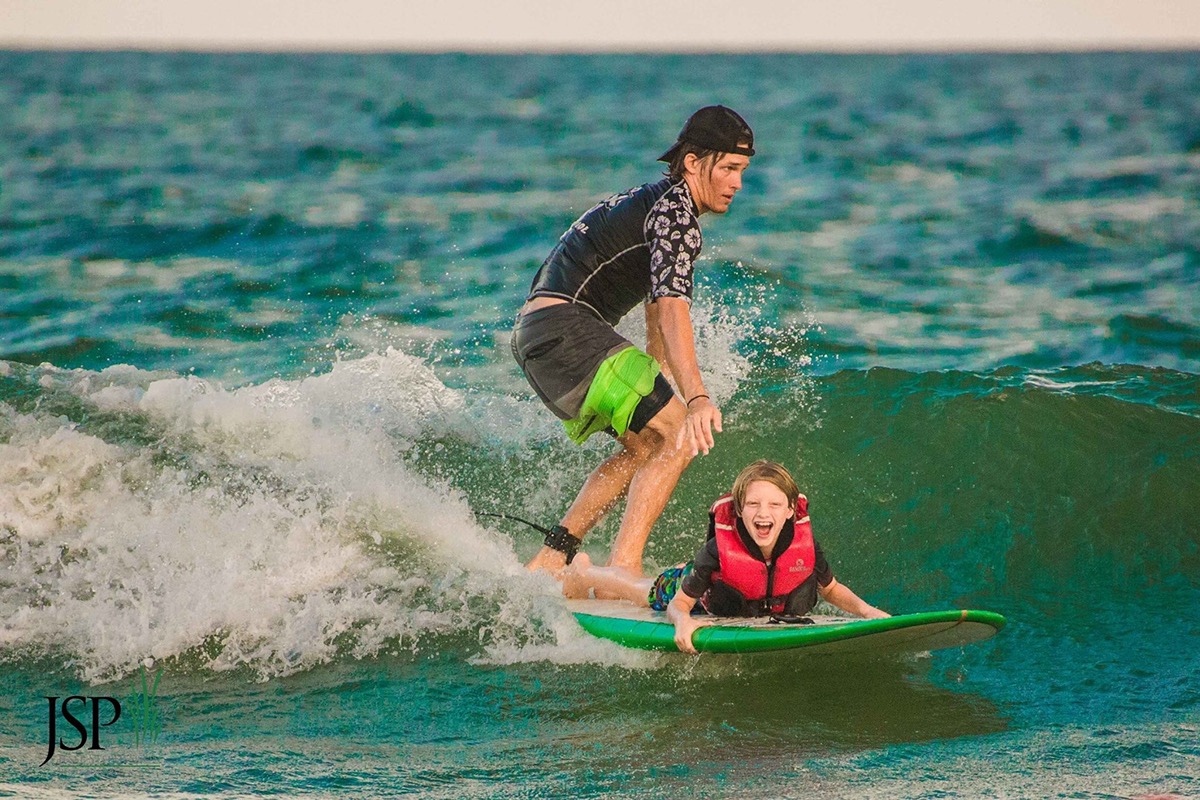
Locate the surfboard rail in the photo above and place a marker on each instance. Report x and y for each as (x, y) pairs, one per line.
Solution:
(644, 629)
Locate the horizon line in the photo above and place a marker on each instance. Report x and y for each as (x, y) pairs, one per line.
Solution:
(1064, 47)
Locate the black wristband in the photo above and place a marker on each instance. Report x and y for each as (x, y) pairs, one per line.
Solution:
(697, 397)
(560, 539)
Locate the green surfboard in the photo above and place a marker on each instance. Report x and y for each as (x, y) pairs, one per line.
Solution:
(632, 626)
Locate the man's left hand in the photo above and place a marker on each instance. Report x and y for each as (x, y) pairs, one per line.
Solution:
(696, 434)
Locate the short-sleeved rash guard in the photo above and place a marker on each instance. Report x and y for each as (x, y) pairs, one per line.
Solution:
(641, 244)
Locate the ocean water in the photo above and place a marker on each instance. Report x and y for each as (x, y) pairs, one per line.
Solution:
(256, 395)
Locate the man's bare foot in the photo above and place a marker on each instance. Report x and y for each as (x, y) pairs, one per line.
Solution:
(621, 583)
(575, 583)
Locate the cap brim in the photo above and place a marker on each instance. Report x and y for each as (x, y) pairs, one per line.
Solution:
(669, 156)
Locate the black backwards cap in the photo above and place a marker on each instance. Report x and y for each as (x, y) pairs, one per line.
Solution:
(714, 128)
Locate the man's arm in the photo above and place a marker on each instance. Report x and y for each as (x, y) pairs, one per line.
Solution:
(654, 341)
(679, 347)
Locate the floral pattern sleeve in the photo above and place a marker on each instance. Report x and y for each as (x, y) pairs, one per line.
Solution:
(673, 234)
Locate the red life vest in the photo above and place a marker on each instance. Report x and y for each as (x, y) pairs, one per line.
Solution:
(769, 583)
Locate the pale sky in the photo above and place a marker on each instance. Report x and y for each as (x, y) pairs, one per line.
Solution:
(526, 25)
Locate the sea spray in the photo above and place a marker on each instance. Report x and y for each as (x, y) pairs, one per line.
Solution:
(269, 527)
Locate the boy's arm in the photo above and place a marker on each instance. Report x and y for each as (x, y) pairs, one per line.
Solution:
(841, 596)
(679, 611)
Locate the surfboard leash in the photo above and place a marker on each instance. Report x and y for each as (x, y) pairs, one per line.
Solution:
(557, 538)
(514, 518)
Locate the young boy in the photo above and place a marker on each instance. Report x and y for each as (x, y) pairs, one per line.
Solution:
(760, 558)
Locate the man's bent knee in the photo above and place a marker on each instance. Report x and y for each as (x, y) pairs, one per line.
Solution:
(667, 422)
(660, 433)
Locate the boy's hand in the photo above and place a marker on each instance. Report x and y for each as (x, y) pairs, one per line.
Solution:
(684, 628)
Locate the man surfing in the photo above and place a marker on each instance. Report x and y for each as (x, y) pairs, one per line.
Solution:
(638, 247)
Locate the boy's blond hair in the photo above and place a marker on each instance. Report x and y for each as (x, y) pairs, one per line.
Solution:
(764, 470)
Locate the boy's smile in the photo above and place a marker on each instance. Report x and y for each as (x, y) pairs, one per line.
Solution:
(764, 510)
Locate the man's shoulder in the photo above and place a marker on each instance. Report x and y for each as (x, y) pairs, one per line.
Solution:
(672, 193)
(647, 194)
(627, 205)
(672, 208)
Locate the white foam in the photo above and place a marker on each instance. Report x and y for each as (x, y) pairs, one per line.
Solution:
(342, 209)
(270, 526)
(275, 526)
(102, 275)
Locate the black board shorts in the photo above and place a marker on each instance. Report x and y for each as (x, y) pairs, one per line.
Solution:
(559, 349)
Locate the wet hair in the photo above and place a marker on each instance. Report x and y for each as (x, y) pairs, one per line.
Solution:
(764, 470)
(676, 170)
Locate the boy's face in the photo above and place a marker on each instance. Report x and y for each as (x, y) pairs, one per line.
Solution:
(764, 510)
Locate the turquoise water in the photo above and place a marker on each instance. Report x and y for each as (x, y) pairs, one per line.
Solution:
(255, 389)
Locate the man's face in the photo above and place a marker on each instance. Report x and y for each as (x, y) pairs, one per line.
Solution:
(713, 187)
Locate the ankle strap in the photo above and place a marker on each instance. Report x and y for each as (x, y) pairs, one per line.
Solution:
(560, 539)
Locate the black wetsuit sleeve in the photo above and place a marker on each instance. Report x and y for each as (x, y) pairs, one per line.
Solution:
(821, 567)
(673, 235)
(699, 580)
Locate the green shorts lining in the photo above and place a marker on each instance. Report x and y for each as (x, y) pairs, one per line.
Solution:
(621, 382)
